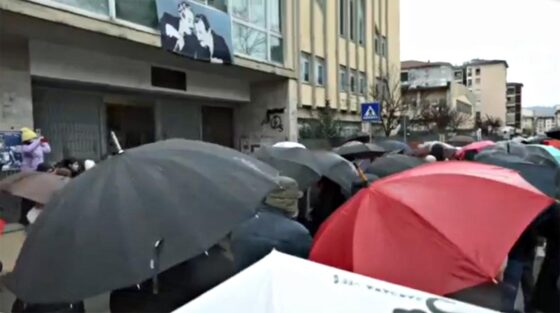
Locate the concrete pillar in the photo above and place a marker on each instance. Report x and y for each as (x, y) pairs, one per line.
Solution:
(16, 106)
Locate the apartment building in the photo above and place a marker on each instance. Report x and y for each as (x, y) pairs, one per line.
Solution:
(347, 48)
(436, 83)
(514, 105)
(79, 69)
(544, 124)
(487, 79)
(528, 121)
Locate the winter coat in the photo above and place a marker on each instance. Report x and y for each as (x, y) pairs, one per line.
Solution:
(34, 154)
(177, 285)
(487, 295)
(270, 229)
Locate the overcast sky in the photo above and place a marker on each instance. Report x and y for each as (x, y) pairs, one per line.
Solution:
(526, 33)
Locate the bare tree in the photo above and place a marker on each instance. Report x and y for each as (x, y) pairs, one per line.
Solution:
(491, 124)
(441, 116)
(394, 102)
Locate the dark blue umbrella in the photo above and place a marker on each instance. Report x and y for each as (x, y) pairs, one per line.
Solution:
(394, 146)
(542, 177)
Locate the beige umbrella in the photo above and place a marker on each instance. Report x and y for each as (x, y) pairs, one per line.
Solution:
(34, 186)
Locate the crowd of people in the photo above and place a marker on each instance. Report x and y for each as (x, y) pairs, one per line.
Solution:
(287, 221)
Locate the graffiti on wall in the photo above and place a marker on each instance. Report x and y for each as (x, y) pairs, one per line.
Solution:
(273, 119)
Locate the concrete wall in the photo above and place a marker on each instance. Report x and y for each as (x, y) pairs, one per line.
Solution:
(80, 65)
(270, 117)
(491, 90)
(430, 76)
(16, 109)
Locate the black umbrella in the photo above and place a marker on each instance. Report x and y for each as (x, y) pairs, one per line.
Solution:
(354, 150)
(460, 141)
(531, 154)
(542, 177)
(361, 137)
(554, 133)
(134, 215)
(337, 169)
(394, 146)
(392, 164)
(297, 163)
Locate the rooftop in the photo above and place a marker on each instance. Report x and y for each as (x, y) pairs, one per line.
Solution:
(486, 62)
(515, 84)
(412, 64)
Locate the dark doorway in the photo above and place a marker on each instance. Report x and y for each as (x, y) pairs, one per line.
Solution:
(133, 125)
(217, 125)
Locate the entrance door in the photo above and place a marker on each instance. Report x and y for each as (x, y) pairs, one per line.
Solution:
(217, 125)
(133, 125)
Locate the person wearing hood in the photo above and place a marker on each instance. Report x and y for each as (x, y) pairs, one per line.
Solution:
(34, 149)
(273, 227)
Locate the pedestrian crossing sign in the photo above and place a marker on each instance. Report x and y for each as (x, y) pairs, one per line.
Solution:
(371, 112)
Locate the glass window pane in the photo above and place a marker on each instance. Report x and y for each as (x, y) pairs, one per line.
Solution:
(257, 13)
(249, 41)
(95, 6)
(219, 4)
(276, 50)
(240, 9)
(141, 12)
(275, 7)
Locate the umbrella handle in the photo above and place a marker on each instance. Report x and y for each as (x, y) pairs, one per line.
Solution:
(154, 264)
(116, 143)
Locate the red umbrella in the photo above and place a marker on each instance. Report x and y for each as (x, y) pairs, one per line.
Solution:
(440, 227)
(476, 146)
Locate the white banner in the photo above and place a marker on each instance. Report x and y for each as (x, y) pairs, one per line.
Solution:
(282, 283)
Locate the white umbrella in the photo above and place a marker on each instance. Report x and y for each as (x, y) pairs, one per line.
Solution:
(289, 144)
(283, 283)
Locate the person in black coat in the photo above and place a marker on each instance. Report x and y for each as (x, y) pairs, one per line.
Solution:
(177, 285)
(272, 228)
(178, 33)
(217, 47)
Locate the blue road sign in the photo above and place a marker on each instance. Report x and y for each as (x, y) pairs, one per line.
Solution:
(371, 112)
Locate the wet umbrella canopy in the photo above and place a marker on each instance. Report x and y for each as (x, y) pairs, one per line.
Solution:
(134, 215)
(357, 150)
(297, 163)
(394, 146)
(542, 177)
(337, 169)
(392, 164)
(34, 186)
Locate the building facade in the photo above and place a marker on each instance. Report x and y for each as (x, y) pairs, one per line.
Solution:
(487, 79)
(435, 83)
(528, 122)
(514, 105)
(77, 70)
(544, 124)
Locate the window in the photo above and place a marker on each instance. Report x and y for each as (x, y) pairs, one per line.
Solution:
(477, 81)
(404, 77)
(305, 67)
(142, 12)
(319, 71)
(352, 20)
(353, 78)
(343, 78)
(342, 17)
(384, 47)
(257, 28)
(380, 86)
(469, 72)
(477, 71)
(97, 6)
(361, 22)
(469, 82)
(363, 83)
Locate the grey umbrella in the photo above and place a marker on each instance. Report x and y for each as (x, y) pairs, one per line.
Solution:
(134, 215)
(337, 169)
(392, 164)
(297, 163)
(354, 150)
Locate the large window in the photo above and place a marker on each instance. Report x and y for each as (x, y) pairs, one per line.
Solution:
(353, 78)
(305, 65)
(342, 17)
(257, 29)
(363, 83)
(343, 78)
(352, 20)
(256, 26)
(319, 71)
(361, 22)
